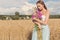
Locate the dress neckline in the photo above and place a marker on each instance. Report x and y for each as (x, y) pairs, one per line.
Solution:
(43, 15)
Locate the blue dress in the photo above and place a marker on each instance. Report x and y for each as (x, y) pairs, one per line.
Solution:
(45, 31)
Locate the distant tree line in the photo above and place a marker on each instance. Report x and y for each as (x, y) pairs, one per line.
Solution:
(17, 16)
(54, 16)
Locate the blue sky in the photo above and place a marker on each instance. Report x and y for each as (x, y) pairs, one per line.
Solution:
(8, 7)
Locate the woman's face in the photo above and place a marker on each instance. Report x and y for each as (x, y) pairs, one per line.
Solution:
(39, 6)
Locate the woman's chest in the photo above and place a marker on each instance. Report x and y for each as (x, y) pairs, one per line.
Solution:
(43, 18)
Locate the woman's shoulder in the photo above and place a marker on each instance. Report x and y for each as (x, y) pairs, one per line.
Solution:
(47, 12)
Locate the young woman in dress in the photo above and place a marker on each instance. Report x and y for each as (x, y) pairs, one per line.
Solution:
(40, 18)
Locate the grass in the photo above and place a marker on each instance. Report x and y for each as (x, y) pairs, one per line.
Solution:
(22, 29)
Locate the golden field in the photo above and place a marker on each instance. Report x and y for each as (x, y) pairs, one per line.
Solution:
(22, 29)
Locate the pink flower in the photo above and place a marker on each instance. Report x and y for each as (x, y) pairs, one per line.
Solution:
(39, 15)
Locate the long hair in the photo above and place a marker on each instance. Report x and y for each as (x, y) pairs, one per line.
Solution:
(41, 2)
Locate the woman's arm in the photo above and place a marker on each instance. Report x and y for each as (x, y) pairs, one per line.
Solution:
(46, 20)
(39, 26)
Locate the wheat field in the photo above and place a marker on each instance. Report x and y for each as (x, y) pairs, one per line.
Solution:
(22, 29)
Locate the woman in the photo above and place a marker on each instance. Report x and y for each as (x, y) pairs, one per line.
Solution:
(40, 19)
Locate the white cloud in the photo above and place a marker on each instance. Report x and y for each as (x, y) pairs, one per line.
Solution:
(27, 8)
(53, 6)
(8, 11)
(24, 9)
(11, 3)
(8, 7)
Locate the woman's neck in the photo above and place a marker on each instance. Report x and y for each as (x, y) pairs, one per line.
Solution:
(43, 11)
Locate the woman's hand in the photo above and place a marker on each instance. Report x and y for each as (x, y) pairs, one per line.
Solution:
(39, 25)
(34, 19)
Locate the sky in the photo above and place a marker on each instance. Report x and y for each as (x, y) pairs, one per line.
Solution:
(25, 7)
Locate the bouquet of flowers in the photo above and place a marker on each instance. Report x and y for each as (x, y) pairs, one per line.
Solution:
(38, 15)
